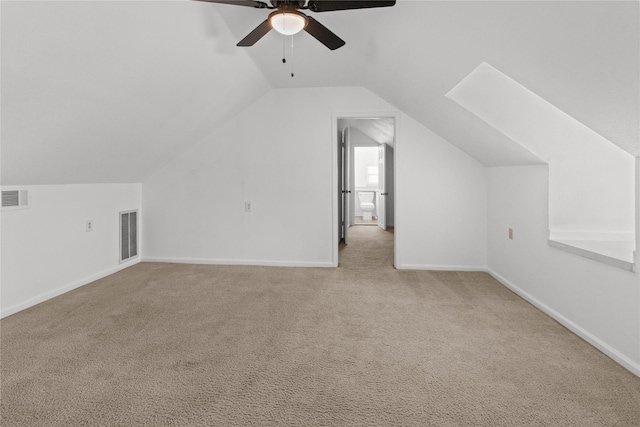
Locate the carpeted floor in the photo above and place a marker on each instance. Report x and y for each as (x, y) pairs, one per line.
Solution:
(358, 220)
(363, 344)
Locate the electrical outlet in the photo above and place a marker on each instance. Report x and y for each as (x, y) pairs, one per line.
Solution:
(89, 225)
(247, 206)
(511, 233)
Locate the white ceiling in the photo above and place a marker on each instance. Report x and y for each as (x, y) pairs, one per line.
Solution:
(380, 129)
(110, 91)
(582, 56)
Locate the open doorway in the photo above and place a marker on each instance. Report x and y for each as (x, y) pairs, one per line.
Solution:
(365, 175)
(372, 179)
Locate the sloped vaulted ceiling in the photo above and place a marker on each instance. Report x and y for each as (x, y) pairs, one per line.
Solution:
(581, 56)
(110, 91)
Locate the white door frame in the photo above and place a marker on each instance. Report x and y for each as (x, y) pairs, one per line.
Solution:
(334, 175)
(347, 160)
(382, 186)
(353, 199)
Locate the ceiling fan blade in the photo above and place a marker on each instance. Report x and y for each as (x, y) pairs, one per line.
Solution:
(248, 3)
(256, 34)
(331, 5)
(323, 34)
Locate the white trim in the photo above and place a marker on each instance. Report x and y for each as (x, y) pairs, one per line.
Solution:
(335, 116)
(605, 348)
(14, 208)
(334, 191)
(64, 289)
(254, 262)
(572, 247)
(441, 267)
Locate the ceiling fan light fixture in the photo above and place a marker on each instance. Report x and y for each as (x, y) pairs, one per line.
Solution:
(288, 22)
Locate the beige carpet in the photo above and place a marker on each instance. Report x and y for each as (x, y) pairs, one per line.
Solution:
(363, 344)
(358, 220)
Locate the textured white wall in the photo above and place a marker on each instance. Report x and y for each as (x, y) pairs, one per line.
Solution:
(46, 249)
(599, 302)
(278, 154)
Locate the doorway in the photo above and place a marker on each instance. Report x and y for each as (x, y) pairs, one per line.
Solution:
(365, 175)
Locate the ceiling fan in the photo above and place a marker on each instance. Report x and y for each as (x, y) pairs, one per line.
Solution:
(288, 20)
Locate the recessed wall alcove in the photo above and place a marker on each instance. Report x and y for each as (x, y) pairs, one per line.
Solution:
(591, 180)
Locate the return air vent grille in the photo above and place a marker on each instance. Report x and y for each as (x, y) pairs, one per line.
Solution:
(12, 199)
(128, 235)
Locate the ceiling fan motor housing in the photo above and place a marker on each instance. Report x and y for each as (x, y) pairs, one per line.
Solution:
(288, 4)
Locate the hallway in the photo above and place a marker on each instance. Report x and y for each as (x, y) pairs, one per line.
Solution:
(368, 246)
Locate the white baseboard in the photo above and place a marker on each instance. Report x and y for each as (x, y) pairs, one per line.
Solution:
(255, 262)
(440, 267)
(64, 289)
(614, 354)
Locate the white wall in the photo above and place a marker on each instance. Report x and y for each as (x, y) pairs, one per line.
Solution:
(442, 198)
(46, 249)
(362, 159)
(278, 154)
(591, 179)
(599, 302)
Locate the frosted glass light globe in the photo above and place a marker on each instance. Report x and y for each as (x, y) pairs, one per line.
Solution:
(288, 23)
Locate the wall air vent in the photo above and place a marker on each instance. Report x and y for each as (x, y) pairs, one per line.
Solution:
(15, 199)
(128, 235)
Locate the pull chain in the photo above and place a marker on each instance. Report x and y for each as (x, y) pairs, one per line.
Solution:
(292, 56)
(284, 56)
(284, 60)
